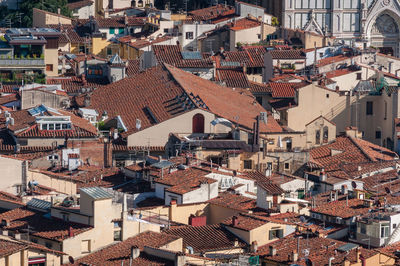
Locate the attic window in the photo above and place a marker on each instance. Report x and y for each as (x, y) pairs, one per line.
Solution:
(150, 115)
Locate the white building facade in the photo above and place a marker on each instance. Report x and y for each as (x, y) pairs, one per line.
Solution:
(362, 22)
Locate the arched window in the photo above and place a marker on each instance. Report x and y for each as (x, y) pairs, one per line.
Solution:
(198, 123)
(317, 136)
(325, 135)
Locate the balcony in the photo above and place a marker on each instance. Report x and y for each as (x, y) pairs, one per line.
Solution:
(36, 62)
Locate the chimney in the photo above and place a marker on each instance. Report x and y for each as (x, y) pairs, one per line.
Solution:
(235, 221)
(358, 255)
(187, 160)
(124, 204)
(135, 252)
(70, 232)
(254, 246)
(236, 242)
(172, 202)
(272, 251)
(322, 176)
(294, 256)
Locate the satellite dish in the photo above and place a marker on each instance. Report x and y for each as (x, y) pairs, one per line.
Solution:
(71, 260)
(353, 184)
(388, 190)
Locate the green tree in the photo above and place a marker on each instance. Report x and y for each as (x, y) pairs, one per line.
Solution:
(26, 9)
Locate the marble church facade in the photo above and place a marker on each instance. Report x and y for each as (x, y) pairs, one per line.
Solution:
(362, 23)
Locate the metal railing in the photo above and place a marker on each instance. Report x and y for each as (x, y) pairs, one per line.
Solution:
(22, 62)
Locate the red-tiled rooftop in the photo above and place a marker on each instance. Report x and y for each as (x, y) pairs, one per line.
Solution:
(343, 208)
(119, 253)
(244, 24)
(183, 181)
(53, 229)
(245, 222)
(234, 201)
(331, 60)
(319, 249)
(206, 238)
(211, 13)
(348, 150)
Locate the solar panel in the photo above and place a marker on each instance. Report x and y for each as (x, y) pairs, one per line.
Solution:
(347, 247)
(230, 64)
(37, 110)
(191, 55)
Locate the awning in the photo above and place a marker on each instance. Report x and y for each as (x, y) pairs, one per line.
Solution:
(223, 121)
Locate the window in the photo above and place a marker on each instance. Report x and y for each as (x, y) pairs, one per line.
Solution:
(58, 126)
(112, 30)
(49, 67)
(384, 230)
(247, 164)
(66, 217)
(325, 135)
(378, 134)
(51, 126)
(85, 246)
(385, 117)
(287, 166)
(370, 108)
(259, 36)
(327, 95)
(44, 126)
(48, 245)
(352, 22)
(198, 123)
(165, 30)
(351, 4)
(363, 229)
(324, 20)
(300, 20)
(189, 35)
(394, 226)
(277, 233)
(317, 136)
(259, 99)
(117, 235)
(109, 51)
(358, 76)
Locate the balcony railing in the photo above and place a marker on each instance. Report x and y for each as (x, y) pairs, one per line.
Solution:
(22, 62)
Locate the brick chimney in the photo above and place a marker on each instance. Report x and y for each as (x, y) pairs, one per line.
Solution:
(70, 232)
(235, 221)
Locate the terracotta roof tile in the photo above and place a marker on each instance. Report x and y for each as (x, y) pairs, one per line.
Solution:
(10, 247)
(245, 222)
(205, 238)
(288, 54)
(232, 77)
(342, 208)
(53, 229)
(282, 90)
(319, 250)
(171, 54)
(234, 201)
(330, 60)
(183, 181)
(244, 24)
(212, 13)
(119, 253)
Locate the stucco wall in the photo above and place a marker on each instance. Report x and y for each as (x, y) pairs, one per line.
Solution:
(11, 174)
(157, 135)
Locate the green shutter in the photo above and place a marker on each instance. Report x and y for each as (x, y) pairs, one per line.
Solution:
(112, 30)
(270, 235)
(121, 30)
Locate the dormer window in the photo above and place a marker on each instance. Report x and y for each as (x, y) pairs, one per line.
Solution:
(54, 122)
